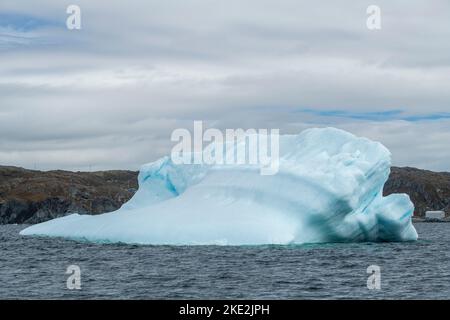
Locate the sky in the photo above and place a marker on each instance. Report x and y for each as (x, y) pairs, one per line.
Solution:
(109, 95)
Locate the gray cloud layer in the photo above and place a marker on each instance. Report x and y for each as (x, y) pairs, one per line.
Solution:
(109, 95)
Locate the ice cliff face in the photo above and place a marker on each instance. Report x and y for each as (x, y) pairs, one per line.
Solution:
(328, 189)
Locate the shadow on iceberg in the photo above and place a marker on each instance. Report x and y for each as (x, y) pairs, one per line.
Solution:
(328, 189)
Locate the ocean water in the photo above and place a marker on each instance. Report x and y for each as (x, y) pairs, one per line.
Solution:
(33, 267)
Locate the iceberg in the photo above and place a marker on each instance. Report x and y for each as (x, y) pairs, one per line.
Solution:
(329, 188)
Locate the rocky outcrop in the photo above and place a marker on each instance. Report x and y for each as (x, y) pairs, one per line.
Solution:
(29, 196)
(428, 190)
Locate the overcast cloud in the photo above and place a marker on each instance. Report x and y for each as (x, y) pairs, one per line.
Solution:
(109, 95)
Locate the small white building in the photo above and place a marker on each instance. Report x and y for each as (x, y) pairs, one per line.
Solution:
(435, 214)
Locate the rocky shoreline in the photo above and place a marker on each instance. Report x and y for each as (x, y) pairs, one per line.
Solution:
(427, 220)
(30, 196)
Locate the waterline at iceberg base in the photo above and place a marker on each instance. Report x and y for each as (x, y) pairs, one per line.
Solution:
(328, 189)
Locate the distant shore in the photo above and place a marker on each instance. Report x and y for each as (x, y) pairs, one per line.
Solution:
(418, 219)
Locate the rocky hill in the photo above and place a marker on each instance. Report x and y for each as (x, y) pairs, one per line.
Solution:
(428, 190)
(28, 196)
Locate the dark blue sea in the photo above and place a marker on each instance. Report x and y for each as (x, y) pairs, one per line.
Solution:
(35, 268)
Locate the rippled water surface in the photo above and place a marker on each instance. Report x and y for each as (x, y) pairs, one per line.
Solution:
(35, 268)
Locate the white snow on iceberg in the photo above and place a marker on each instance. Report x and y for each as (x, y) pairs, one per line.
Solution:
(328, 189)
